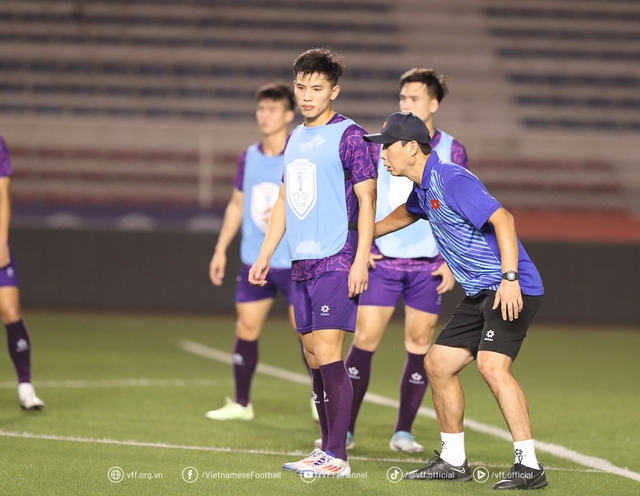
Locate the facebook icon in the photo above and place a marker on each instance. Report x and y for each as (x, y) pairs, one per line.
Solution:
(190, 475)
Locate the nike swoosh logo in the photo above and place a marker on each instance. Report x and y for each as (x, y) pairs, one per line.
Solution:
(458, 470)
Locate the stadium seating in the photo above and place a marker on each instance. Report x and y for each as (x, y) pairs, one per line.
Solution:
(150, 101)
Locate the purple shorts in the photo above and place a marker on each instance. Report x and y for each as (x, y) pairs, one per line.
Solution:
(387, 283)
(277, 280)
(323, 303)
(9, 274)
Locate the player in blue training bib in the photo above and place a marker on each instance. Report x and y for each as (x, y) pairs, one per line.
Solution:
(256, 188)
(326, 205)
(405, 264)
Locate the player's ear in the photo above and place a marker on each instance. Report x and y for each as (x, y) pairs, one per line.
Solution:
(434, 105)
(335, 91)
(289, 115)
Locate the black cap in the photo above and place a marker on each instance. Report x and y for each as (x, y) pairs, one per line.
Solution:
(404, 126)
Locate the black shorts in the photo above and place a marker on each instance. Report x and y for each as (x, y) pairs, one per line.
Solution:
(476, 326)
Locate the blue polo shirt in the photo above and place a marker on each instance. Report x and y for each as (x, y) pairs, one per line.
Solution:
(457, 205)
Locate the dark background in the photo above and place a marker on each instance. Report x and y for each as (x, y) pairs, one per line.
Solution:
(168, 271)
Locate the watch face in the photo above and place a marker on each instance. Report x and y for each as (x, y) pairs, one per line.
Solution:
(511, 276)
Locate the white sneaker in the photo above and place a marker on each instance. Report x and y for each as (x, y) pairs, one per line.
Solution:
(404, 441)
(351, 442)
(231, 411)
(305, 462)
(314, 411)
(327, 466)
(28, 398)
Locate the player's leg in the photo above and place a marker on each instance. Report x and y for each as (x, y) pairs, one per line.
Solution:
(18, 339)
(252, 307)
(327, 350)
(375, 309)
(419, 329)
(333, 315)
(251, 318)
(422, 307)
(371, 323)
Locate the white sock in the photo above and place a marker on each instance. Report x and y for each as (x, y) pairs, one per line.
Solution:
(526, 454)
(453, 448)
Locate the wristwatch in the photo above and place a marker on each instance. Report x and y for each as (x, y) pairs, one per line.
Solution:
(511, 275)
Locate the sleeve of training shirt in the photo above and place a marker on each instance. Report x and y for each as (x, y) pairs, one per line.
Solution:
(237, 181)
(356, 155)
(465, 194)
(413, 206)
(459, 154)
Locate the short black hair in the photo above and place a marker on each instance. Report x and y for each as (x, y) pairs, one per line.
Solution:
(436, 85)
(319, 61)
(424, 147)
(278, 92)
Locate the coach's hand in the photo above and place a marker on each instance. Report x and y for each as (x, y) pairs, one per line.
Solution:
(509, 297)
(258, 272)
(448, 281)
(358, 278)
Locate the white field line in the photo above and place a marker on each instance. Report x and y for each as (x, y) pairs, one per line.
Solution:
(115, 383)
(556, 450)
(138, 444)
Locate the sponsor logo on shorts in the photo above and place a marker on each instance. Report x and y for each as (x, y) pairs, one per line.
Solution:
(354, 373)
(326, 398)
(238, 359)
(324, 310)
(416, 378)
(489, 335)
(9, 271)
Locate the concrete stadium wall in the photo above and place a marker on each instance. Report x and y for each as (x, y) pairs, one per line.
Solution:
(168, 271)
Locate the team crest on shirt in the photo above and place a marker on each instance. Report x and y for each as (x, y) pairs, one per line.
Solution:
(263, 197)
(302, 188)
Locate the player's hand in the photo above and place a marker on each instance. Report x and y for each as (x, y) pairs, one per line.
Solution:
(509, 298)
(216, 268)
(448, 281)
(358, 278)
(258, 271)
(372, 259)
(5, 255)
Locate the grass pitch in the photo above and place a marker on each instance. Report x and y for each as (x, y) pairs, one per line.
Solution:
(125, 411)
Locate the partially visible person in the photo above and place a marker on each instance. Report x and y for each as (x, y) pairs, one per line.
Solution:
(256, 188)
(327, 207)
(18, 337)
(404, 264)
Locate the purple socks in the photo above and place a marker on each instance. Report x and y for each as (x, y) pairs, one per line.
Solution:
(358, 365)
(412, 388)
(318, 398)
(337, 387)
(245, 360)
(20, 349)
